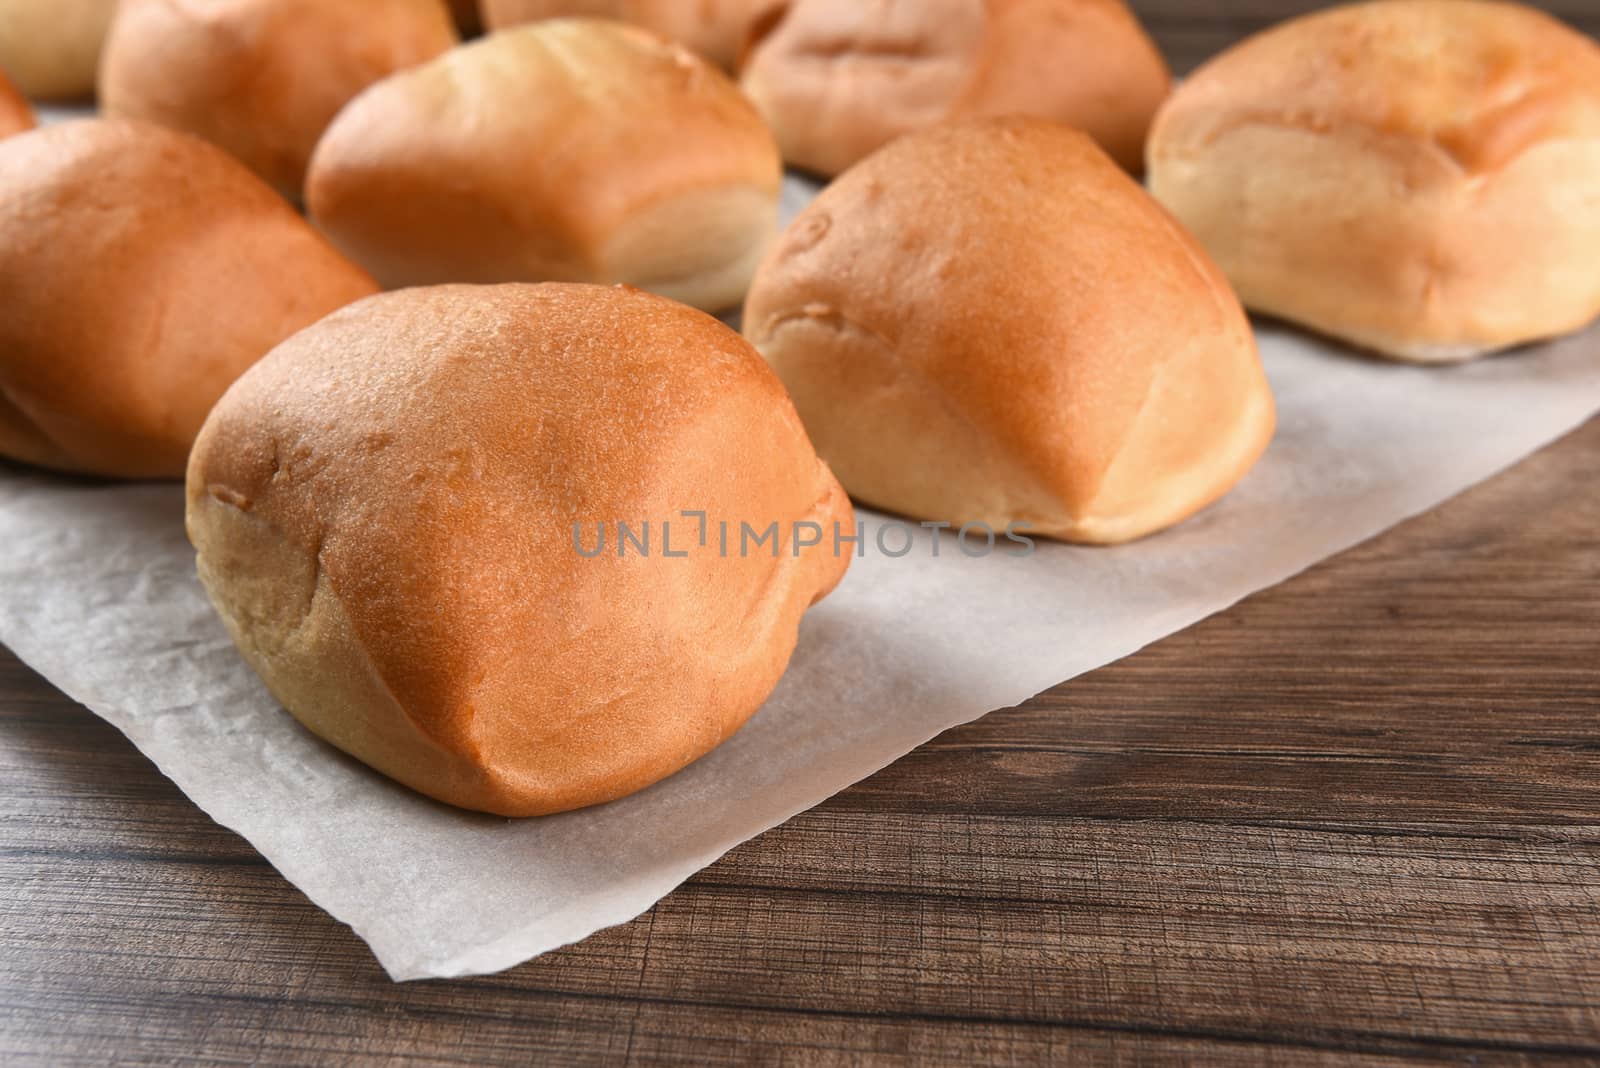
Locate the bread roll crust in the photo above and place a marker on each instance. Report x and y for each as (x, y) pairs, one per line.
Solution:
(838, 79)
(990, 322)
(143, 271)
(1415, 176)
(716, 29)
(262, 78)
(51, 48)
(15, 114)
(384, 510)
(568, 150)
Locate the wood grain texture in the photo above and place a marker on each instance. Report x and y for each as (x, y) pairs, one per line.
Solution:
(1354, 820)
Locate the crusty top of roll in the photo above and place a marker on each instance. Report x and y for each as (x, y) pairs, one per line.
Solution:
(384, 510)
(989, 321)
(717, 29)
(15, 114)
(262, 78)
(840, 78)
(1475, 81)
(142, 270)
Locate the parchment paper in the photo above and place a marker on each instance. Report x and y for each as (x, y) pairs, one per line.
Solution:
(98, 593)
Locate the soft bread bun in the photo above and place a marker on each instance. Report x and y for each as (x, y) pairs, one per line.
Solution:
(15, 115)
(143, 271)
(716, 29)
(572, 150)
(990, 322)
(262, 78)
(838, 79)
(1420, 177)
(389, 511)
(51, 48)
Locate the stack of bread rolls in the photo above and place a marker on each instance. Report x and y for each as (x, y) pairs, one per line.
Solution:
(413, 510)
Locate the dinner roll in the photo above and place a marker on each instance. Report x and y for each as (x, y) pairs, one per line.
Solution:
(411, 518)
(143, 270)
(262, 78)
(572, 150)
(838, 79)
(52, 47)
(717, 29)
(15, 115)
(989, 322)
(1419, 177)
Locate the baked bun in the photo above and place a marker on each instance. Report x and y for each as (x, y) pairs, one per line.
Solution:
(15, 115)
(392, 512)
(838, 79)
(716, 29)
(1416, 176)
(143, 271)
(573, 150)
(989, 322)
(51, 48)
(262, 78)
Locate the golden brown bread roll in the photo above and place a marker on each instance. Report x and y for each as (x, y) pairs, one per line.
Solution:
(716, 29)
(262, 78)
(389, 512)
(143, 270)
(15, 114)
(989, 322)
(1416, 176)
(51, 48)
(838, 79)
(570, 150)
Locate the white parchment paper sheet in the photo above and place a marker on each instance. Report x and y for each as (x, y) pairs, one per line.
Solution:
(98, 593)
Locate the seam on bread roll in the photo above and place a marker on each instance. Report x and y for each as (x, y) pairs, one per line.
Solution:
(1015, 490)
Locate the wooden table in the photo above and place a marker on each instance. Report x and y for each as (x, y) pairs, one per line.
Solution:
(1354, 820)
